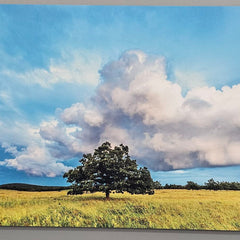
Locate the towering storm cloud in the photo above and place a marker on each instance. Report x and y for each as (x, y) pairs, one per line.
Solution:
(135, 104)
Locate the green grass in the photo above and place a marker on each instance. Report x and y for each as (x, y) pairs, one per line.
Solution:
(166, 209)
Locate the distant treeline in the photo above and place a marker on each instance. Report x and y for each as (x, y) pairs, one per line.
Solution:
(209, 185)
(30, 187)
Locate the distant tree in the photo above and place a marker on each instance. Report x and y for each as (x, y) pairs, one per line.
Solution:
(157, 185)
(192, 185)
(109, 169)
(233, 186)
(212, 185)
(224, 186)
(173, 186)
(167, 186)
(228, 185)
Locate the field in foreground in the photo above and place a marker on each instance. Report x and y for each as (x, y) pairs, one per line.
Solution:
(166, 209)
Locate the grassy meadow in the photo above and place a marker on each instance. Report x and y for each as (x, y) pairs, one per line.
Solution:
(166, 209)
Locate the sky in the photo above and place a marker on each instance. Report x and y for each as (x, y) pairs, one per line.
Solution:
(163, 80)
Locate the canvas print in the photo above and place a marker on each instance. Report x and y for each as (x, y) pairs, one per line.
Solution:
(120, 117)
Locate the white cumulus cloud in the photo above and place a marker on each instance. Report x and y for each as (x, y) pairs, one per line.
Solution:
(29, 150)
(139, 106)
(135, 104)
(36, 160)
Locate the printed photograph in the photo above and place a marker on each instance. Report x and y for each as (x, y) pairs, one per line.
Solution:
(120, 117)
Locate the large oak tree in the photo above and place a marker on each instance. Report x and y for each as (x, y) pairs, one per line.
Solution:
(109, 169)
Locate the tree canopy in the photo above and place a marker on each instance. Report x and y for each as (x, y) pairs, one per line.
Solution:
(109, 169)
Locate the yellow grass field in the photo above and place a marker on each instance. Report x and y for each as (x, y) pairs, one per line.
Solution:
(166, 209)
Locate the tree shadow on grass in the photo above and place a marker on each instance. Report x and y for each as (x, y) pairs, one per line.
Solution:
(97, 198)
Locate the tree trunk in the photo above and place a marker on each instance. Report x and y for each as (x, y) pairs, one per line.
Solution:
(107, 194)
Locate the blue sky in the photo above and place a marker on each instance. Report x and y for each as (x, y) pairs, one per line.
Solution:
(56, 61)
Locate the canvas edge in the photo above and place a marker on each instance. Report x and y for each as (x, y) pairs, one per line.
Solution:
(27, 233)
(128, 2)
